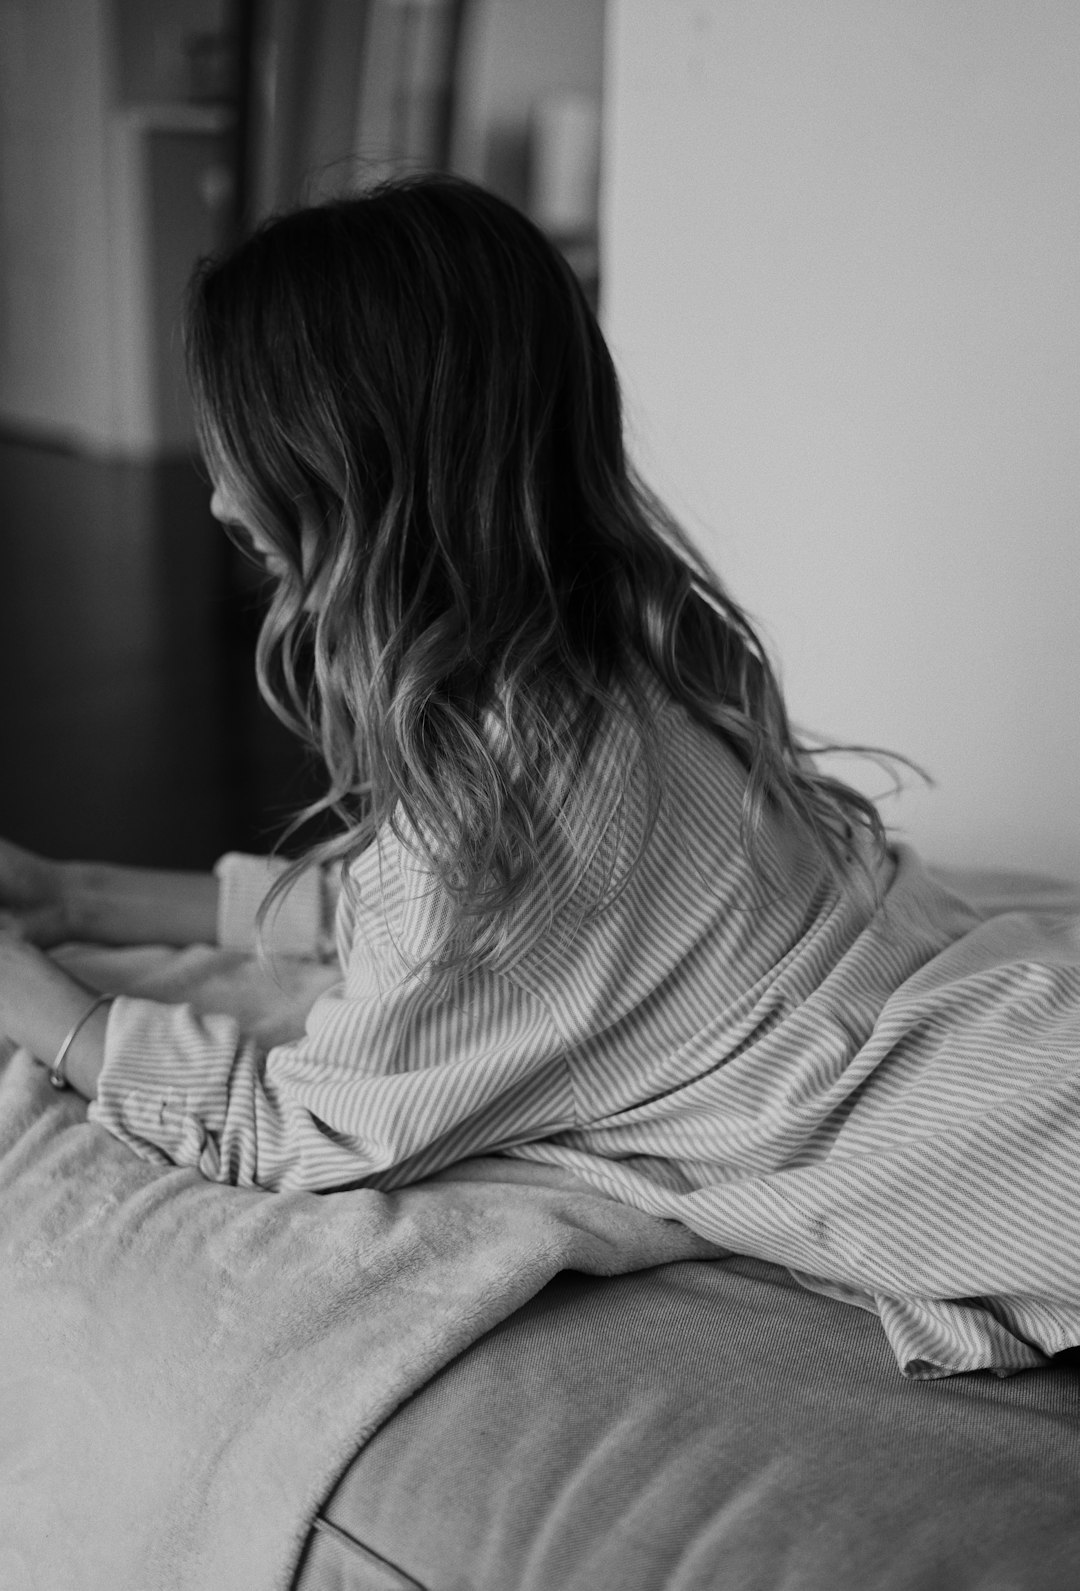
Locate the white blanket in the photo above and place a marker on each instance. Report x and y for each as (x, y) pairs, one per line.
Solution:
(185, 1368)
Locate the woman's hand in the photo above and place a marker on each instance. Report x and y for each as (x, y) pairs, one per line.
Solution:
(33, 897)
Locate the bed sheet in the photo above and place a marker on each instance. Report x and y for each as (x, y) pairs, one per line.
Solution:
(185, 1368)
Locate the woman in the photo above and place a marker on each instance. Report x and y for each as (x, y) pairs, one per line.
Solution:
(592, 901)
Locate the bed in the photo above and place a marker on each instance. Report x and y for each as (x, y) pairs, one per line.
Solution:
(704, 1426)
(492, 1382)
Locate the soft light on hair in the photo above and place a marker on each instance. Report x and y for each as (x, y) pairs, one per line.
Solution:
(409, 395)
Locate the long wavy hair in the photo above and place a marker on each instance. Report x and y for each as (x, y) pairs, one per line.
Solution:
(408, 394)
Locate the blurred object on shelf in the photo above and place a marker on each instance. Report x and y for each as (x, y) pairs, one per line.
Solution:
(564, 164)
(564, 179)
(529, 88)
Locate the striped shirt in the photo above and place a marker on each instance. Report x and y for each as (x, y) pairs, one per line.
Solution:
(883, 1097)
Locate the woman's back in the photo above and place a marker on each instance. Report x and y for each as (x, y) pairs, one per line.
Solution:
(671, 958)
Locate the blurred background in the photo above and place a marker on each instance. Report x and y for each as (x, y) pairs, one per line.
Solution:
(835, 248)
(135, 136)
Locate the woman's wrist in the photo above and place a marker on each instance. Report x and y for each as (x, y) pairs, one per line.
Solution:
(85, 1057)
(40, 1005)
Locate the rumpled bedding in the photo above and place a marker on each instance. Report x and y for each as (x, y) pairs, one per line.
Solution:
(186, 1368)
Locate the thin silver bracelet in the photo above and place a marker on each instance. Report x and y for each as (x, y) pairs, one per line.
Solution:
(56, 1070)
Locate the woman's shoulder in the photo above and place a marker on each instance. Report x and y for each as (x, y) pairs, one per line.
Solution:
(664, 794)
(686, 752)
(653, 787)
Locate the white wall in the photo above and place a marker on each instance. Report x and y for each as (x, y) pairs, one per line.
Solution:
(841, 277)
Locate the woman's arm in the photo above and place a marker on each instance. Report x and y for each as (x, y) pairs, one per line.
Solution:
(39, 1006)
(133, 905)
(388, 1085)
(53, 901)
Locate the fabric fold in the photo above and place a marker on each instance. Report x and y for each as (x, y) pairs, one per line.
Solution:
(186, 1368)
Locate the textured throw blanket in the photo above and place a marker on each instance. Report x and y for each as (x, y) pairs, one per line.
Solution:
(185, 1368)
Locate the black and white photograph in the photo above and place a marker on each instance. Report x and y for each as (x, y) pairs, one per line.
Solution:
(540, 795)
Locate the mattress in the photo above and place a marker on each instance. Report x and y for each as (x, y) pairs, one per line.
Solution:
(700, 1426)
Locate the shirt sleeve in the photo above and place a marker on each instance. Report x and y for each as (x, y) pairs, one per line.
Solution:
(299, 924)
(390, 1083)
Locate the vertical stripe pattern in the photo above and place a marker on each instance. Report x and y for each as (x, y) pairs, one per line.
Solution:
(884, 1098)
